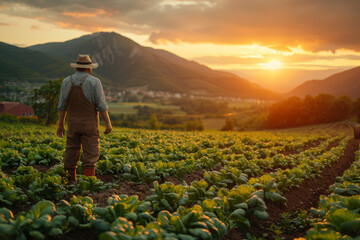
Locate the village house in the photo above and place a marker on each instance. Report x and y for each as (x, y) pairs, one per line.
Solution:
(16, 108)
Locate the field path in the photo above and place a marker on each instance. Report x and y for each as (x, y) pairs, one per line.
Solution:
(305, 197)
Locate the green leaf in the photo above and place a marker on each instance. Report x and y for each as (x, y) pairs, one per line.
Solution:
(221, 226)
(55, 232)
(339, 216)
(263, 215)
(200, 233)
(37, 235)
(163, 217)
(131, 216)
(166, 204)
(100, 211)
(101, 225)
(129, 176)
(73, 221)
(186, 237)
(5, 215)
(275, 197)
(351, 228)
(108, 236)
(59, 220)
(238, 213)
(269, 185)
(43, 208)
(7, 229)
(143, 207)
(197, 225)
(259, 193)
(241, 205)
(42, 222)
(183, 201)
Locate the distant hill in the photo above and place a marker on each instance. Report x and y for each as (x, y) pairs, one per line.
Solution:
(346, 82)
(129, 65)
(16, 62)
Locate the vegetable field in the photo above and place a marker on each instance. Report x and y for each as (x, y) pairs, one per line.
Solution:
(300, 183)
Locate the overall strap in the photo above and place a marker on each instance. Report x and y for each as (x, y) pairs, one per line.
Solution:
(82, 80)
(71, 80)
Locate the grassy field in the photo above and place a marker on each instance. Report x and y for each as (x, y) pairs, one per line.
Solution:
(128, 107)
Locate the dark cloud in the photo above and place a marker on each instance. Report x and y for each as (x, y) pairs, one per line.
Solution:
(314, 24)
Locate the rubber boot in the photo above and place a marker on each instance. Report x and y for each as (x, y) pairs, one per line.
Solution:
(71, 173)
(89, 172)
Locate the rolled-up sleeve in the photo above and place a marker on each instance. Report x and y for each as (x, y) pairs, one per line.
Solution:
(99, 95)
(62, 98)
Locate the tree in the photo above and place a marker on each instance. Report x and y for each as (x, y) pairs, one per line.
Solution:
(322, 104)
(153, 122)
(341, 108)
(229, 125)
(45, 100)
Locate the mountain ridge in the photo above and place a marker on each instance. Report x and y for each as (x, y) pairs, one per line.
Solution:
(128, 64)
(24, 63)
(343, 83)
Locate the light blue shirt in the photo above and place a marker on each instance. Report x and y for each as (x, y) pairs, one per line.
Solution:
(91, 86)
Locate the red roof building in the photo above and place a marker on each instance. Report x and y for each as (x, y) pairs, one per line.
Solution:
(17, 109)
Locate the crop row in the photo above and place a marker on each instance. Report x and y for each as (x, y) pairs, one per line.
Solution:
(223, 199)
(338, 215)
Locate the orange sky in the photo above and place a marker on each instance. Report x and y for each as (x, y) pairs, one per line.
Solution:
(277, 44)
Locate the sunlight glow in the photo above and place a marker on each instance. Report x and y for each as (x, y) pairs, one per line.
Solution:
(272, 65)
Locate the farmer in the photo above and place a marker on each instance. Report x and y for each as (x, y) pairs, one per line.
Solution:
(81, 99)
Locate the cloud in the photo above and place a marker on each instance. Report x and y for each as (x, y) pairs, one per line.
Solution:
(315, 25)
(6, 24)
(34, 27)
(97, 13)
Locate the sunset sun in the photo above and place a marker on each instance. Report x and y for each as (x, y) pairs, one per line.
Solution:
(272, 65)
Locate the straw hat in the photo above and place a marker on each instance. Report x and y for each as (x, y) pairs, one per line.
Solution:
(84, 61)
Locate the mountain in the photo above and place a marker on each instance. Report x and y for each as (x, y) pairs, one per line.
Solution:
(285, 79)
(346, 82)
(129, 65)
(25, 63)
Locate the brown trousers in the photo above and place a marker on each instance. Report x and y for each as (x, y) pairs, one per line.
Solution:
(83, 130)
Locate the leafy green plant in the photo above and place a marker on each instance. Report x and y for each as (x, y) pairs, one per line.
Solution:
(78, 212)
(193, 222)
(234, 176)
(89, 183)
(139, 173)
(47, 187)
(267, 188)
(24, 175)
(122, 229)
(38, 223)
(104, 166)
(341, 221)
(122, 206)
(231, 216)
(9, 193)
(199, 191)
(168, 196)
(12, 158)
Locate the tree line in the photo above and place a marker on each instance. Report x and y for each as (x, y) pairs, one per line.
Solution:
(323, 108)
(291, 112)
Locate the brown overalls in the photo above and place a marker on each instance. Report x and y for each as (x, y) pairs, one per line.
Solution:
(83, 129)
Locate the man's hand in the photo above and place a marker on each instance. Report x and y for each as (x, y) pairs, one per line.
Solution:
(108, 128)
(105, 116)
(60, 131)
(61, 126)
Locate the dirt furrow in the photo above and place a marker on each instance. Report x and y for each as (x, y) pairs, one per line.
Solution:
(306, 196)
